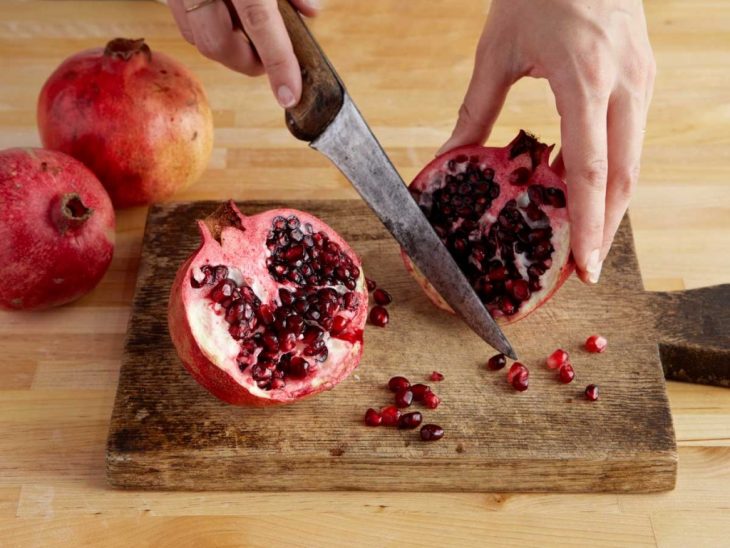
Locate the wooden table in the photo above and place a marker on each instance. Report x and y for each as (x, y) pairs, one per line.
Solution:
(407, 65)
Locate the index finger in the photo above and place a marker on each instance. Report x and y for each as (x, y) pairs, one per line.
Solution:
(583, 122)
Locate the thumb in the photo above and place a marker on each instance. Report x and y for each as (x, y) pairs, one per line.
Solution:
(483, 101)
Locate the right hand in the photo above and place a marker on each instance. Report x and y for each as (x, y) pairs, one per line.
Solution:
(264, 47)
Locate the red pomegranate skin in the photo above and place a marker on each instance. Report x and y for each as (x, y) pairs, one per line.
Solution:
(138, 119)
(49, 254)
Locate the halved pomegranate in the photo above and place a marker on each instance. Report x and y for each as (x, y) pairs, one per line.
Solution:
(270, 308)
(502, 214)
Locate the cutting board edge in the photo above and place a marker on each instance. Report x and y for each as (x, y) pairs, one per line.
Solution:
(141, 470)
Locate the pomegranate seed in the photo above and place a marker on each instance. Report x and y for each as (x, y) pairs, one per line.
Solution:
(496, 362)
(431, 432)
(398, 384)
(431, 400)
(379, 316)
(596, 343)
(403, 398)
(339, 324)
(298, 367)
(516, 369)
(521, 381)
(436, 376)
(566, 373)
(410, 420)
(382, 297)
(592, 392)
(371, 284)
(557, 358)
(277, 384)
(419, 391)
(373, 418)
(390, 415)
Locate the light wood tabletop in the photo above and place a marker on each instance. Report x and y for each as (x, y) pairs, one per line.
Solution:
(406, 64)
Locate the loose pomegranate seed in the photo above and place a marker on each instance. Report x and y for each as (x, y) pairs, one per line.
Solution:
(396, 384)
(431, 432)
(521, 381)
(596, 343)
(373, 418)
(371, 284)
(566, 373)
(379, 316)
(403, 398)
(431, 400)
(410, 420)
(419, 391)
(592, 392)
(516, 369)
(382, 297)
(496, 362)
(557, 358)
(436, 376)
(390, 415)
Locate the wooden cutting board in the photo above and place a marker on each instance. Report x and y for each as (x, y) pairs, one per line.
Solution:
(169, 433)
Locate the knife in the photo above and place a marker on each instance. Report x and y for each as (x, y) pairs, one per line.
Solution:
(328, 119)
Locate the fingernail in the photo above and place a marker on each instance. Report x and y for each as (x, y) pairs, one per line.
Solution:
(285, 96)
(593, 268)
(314, 4)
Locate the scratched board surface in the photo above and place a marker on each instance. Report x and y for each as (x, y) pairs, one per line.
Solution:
(169, 433)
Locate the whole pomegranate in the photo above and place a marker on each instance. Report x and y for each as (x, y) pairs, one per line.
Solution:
(270, 308)
(56, 229)
(139, 120)
(502, 214)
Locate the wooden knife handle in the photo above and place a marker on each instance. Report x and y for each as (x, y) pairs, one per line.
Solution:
(322, 93)
(694, 334)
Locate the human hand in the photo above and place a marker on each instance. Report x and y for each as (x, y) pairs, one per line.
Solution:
(263, 47)
(597, 59)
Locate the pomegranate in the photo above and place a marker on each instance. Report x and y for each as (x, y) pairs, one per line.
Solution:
(56, 229)
(139, 120)
(382, 297)
(502, 214)
(270, 308)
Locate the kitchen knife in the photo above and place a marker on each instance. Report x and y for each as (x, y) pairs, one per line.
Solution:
(327, 118)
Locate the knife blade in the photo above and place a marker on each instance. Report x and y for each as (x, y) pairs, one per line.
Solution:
(327, 117)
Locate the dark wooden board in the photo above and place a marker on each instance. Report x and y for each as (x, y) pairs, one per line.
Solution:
(169, 433)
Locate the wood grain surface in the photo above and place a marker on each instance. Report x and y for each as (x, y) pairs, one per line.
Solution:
(168, 433)
(407, 65)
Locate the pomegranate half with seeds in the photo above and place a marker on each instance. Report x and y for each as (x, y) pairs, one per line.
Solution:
(502, 214)
(270, 308)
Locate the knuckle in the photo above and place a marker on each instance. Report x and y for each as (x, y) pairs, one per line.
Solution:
(625, 182)
(211, 46)
(467, 116)
(594, 173)
(277, 64)
(255, 15)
